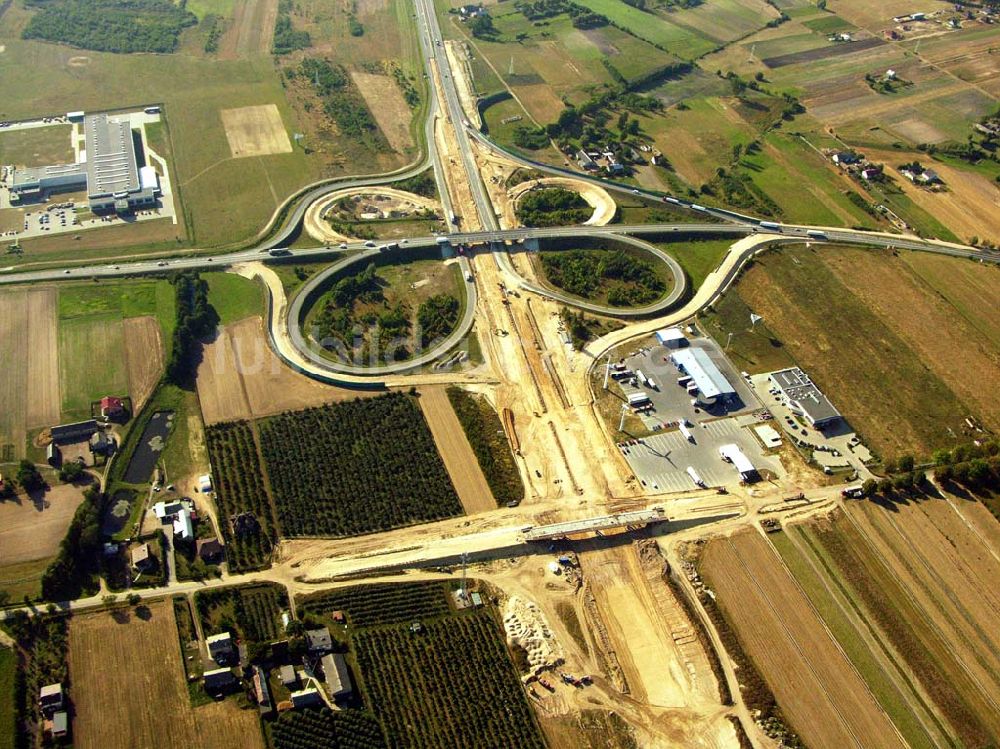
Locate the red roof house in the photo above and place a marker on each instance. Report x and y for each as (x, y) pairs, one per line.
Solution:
(111, 406)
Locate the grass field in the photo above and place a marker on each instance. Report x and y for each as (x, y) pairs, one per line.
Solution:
(8, 730)
(92, 356)
(908, 400)
(37, 146)
(698, 258)
(25, 579)
(234, 297)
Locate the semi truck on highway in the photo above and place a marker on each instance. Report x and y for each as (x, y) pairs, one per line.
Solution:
(816, 234)
(772, 225)
(443, 240)
(279, 252)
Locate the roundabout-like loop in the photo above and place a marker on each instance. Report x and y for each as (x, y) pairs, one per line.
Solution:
(310, 293)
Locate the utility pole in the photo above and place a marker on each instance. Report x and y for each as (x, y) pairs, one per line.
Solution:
(729, 340)
(607, 372)
(621, 424)
(465, 562)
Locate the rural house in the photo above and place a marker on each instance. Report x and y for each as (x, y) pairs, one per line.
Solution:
(208, 549)
(142, 559)
(319, 640)
(50, 698)
(112, 407)
(219, 679)
(306, 698)
(221, 647)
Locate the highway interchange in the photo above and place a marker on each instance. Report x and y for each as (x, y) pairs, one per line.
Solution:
(749, 234)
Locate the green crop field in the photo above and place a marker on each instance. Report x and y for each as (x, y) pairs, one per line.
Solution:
(698, 258)
(447, 681)
(234, 297)
(91, 340)
(91, 362)
(8, 729)
(657, 30)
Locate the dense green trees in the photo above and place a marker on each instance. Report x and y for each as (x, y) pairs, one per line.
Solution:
(246, 519)
(28, 477)
(627, 280)
(486, 436)
(355, 467)
(437, 317)
(452, 684)
(341, 100)
(196, 318)
(286, 37)
(110, 25)
(386, 603)
(553, 206)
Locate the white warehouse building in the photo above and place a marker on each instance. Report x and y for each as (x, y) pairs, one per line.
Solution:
(705, 373)
(107, 169)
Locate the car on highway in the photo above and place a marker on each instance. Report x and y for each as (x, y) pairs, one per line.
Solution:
(369, 243)
(161, 263)
(66, 271)
(343, 245)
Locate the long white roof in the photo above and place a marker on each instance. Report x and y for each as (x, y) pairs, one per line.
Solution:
(705, 373)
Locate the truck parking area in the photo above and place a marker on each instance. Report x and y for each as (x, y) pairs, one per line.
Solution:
(683, 452)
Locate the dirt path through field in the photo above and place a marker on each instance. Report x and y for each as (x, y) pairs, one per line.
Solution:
(461, 462)
(251, 30)
(13, 383)
(42, 394)
(143, 357)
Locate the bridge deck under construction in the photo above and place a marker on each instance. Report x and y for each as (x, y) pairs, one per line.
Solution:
(595, 525)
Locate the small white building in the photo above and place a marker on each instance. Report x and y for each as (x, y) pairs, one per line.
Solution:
(732, 453)
(672, 338)
(205, 484)
(183, 526)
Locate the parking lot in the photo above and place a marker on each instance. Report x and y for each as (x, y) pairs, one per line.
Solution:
(660, 461)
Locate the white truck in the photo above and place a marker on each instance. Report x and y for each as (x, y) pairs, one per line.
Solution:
(688, 435)
(695, 477)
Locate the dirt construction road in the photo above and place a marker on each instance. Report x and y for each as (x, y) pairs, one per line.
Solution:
(461, 462)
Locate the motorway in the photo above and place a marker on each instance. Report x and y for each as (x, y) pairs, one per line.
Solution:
(749, 237)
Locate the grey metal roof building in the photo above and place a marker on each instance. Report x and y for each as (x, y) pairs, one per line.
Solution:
(110, 171)
(804, 397)
(338, 679)
(706, 374)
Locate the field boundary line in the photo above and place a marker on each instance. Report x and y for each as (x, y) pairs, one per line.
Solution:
(926, 621)
(946, 591)
(791, 640)
(904, 681)
(985, 542)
